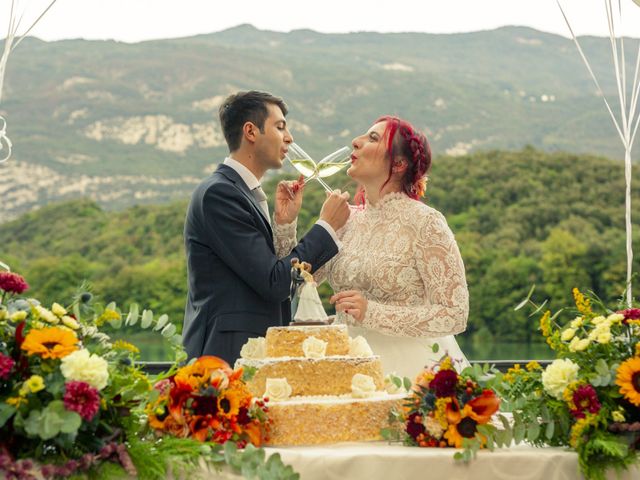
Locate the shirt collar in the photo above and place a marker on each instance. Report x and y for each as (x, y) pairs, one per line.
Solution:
(247, 176)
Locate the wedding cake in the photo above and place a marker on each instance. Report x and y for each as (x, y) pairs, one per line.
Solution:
(323, 386)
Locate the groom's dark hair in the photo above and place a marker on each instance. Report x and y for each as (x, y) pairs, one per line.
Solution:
(243, 107)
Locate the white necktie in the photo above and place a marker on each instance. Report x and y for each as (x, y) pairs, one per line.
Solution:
(261, 198)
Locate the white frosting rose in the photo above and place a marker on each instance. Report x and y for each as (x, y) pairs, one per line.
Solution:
(255, 348)
(558, 376)
(358, 347)
(83, 366)
(277, 389)
(362, 386)
(314, 347)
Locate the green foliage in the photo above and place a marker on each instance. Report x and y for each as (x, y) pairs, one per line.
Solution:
(520, 218)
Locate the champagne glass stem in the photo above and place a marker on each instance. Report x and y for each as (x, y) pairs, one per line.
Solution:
(326, 187)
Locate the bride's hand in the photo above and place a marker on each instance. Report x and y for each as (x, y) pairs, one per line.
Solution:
(351, 302)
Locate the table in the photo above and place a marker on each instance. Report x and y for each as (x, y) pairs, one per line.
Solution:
(379, 460)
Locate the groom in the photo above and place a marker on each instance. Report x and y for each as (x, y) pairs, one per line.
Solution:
(238, 287)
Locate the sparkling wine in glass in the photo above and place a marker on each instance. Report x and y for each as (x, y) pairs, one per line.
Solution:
(329, 165)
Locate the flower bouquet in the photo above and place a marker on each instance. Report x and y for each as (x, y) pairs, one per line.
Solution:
(66, 390)
(208, 401)
(588, 398)
(449, 409)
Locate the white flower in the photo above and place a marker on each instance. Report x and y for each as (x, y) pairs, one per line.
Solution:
(362, 386)
(58, 309)
(558, 376)
(70, 322)
(82, 366)
(47, 315)
(433, 427)
(255, 348)
(598, 320)
(615, 318)
(568, 334)
(314, 347)
(358, 347)
(577, 322)
(604, 337)
(277, 389)
(18, 316)
(578, 345)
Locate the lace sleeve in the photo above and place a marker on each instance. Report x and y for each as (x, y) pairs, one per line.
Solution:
(284, 237)
(440, 266)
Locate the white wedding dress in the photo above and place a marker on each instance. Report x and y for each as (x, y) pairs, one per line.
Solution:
(401, 254)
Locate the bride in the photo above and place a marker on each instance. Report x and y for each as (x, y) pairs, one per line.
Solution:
(399, 278)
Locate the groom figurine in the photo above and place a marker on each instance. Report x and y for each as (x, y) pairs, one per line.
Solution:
(238, 287)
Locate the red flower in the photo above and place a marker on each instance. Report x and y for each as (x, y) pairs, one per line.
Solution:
(444, 383)
(414, 428)
(630, 314)
(13, 283)
(585, 399)
(6, 364)
(82, 398)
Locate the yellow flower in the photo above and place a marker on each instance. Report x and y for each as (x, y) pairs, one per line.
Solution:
(583, 304)
(58, 309)
(578, 345)
(533, 365)
(446, 364)
(46, 315)
(3, 314)
(440, 413)
(16, 401)
(107, 316)
(568, 334)
(52, 342)
(34, 384)
(599, 320)
(229, 402)
(617, 416)
(615, 318)
(70, 322)
(18, 316)
(577, 322)
(567, 394)
(579, 427)
(122, 345)
(638, 349)
(628, 379)
(545, 323)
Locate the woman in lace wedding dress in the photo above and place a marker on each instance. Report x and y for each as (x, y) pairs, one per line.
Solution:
(399, 276)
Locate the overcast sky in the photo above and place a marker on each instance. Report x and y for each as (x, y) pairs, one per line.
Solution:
(136, 20)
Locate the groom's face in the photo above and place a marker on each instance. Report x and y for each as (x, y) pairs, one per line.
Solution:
(273, 141)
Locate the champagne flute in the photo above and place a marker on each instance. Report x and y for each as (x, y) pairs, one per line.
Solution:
(329, 165)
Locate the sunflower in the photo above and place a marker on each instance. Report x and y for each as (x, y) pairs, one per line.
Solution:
(229, 403)
(628, 379)
(466, 427)
(51, 342)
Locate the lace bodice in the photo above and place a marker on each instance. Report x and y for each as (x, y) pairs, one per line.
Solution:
(401, 254)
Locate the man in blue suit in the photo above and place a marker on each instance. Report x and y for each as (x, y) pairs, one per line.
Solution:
(238, 287)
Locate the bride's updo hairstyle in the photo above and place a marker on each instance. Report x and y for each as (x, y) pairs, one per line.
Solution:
(403, 140)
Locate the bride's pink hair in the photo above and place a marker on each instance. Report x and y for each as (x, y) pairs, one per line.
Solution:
(405, 141)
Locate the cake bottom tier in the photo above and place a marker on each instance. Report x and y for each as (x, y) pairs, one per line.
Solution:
(314, 422)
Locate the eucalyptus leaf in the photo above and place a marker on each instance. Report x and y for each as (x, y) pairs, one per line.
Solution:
(550, 430)
(169, 330)
(147, 318)
(518, 433)
(162, 321)
(407, 383)
(111, 306)
(537, 310)
(134, 314)
(6, 412)
(435, 347)
(533, 432)
(526, 300)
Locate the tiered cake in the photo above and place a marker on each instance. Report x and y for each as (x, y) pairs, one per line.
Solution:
(323, 387)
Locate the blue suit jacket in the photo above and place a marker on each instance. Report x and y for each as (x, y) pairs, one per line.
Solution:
(237, 285)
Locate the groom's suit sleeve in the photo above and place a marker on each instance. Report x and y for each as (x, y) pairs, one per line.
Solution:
(239, 240)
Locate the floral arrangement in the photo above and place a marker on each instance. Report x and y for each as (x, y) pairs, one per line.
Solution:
(449, 409)
(66, 390)
(588, 398)
(208, 401)
(73, 401)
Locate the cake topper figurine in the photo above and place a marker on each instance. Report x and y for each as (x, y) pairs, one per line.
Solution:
(306, 306)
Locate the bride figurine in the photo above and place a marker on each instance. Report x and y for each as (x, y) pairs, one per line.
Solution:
(309, 306)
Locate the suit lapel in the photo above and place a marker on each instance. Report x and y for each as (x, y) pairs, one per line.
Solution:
(236, 179)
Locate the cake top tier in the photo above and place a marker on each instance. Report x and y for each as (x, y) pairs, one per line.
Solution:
(288, 341)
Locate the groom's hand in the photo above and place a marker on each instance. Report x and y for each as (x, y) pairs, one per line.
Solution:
(335, 209)
(351, 302)
(288, 200)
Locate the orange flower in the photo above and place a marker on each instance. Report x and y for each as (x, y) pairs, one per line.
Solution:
(230, 401)
(628, 379)
(51, 342)
(201, 371)
(484, 406)
(465, 428)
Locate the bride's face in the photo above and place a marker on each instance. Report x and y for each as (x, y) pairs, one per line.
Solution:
(369, 162)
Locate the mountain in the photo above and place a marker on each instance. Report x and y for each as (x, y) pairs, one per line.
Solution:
(128, 124)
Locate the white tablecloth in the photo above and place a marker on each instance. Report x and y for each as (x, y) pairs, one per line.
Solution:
(360, 461)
